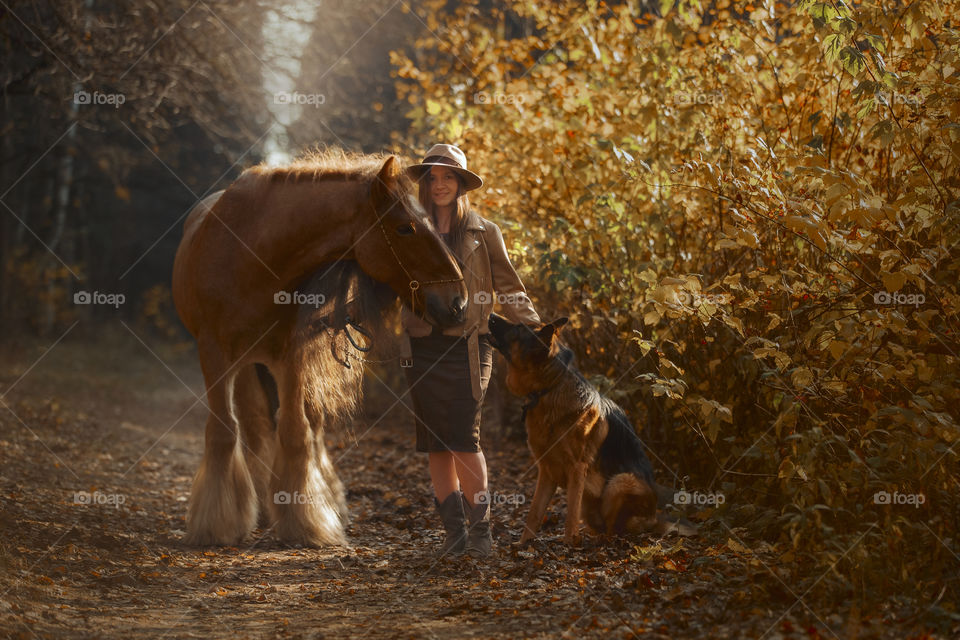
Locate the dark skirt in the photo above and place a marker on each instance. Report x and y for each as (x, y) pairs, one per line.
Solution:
(447, 416)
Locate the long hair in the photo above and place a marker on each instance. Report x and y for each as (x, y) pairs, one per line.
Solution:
(458, 225)
(331, 366)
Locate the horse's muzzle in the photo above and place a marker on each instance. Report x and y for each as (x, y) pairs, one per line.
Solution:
(446, 313)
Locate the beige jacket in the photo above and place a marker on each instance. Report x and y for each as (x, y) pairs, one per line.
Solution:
(489, 278)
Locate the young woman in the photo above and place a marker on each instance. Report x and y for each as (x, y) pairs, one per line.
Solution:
(451, 369)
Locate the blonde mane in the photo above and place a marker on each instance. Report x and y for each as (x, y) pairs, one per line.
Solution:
(324, 164)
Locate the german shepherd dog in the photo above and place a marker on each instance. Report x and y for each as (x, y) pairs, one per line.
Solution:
(580, 440)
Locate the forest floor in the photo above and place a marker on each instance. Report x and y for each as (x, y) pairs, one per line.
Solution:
(121, 418)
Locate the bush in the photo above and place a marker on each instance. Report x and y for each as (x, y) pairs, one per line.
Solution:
(750, 214)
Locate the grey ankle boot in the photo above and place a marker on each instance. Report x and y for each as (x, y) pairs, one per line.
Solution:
(479, 535)
(451, 513)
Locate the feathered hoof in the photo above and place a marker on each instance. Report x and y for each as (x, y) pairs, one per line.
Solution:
(308, 512)
(223, 503)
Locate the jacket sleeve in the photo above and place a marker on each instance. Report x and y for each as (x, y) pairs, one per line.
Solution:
(514, 301)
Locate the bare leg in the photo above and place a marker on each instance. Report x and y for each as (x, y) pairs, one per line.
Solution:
(443, 474)
(472, 473)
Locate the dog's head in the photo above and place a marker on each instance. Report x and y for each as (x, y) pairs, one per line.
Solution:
(525, 346)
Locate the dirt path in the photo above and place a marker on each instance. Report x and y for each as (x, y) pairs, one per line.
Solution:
(119, 420)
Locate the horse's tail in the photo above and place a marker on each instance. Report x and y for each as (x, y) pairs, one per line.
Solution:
(255, 402)
(269, 387)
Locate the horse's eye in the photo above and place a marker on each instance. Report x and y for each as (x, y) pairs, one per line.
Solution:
(407, 229)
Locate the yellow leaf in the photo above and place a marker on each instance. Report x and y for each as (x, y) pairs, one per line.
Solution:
(786, 469)
(734, 323)
(801, 377)
(893, 281)
(736, 547)
(838, 348)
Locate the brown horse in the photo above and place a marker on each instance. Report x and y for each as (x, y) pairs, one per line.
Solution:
(269, 277)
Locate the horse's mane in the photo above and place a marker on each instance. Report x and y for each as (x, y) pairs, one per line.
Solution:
(332, 367)
(331, 163)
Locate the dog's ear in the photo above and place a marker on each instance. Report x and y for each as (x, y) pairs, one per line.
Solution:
(549, 330)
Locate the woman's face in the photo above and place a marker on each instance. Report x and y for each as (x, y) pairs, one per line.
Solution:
(443, 186)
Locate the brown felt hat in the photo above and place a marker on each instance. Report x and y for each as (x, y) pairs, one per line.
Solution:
(446, 155)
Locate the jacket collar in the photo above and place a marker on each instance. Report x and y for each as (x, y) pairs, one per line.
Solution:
(475, 222)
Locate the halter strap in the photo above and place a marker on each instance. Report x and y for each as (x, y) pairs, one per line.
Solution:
(414, 284)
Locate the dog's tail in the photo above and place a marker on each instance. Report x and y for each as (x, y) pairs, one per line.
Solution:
(628, 504)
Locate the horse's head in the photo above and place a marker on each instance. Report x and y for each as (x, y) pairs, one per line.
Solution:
(401, 247)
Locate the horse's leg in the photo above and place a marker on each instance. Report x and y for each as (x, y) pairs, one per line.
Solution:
(255, 413)
(305, 509)
(335, 487)
(223, 502)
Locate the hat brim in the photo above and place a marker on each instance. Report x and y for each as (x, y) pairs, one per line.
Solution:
(470, 179)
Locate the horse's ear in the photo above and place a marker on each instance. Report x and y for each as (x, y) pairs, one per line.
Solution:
(386, 181)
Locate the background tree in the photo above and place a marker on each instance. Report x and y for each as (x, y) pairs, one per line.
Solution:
(115, 119)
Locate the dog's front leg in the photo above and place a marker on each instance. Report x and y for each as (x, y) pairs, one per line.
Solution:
(546, 487)
(575, 481)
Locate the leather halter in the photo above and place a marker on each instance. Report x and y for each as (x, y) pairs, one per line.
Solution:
(414, 283)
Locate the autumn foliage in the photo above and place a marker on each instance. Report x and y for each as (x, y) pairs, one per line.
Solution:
(750, 213)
